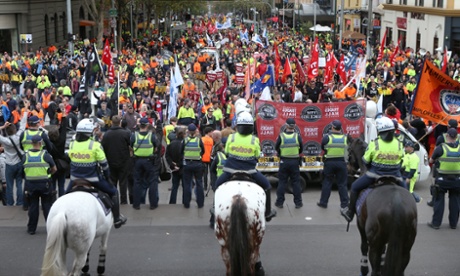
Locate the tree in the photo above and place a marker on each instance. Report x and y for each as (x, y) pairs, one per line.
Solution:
(96, 10)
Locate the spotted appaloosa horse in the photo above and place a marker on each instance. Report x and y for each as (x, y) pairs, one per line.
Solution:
(74, 221)
(240, 226)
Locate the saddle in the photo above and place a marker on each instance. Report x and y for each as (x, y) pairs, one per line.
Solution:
(381, 181)
(242, 176)
(80, 185)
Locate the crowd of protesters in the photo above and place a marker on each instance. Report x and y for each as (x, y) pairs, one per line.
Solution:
(50, 81)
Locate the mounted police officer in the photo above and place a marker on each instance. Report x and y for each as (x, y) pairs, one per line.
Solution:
(38, 167)
(243, 150)
(334, 145)
(383, 156)
(193, 150)
(85, 155)
(447, 180)
(289, 147)
(143, 143)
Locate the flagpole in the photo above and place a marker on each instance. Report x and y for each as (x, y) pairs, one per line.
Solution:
(118, 90)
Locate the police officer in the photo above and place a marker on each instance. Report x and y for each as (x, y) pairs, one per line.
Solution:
(383, 156)
(38, 167)
(193, 149)
(452, 123)
(143, 143)
(85, 155)
(289, 146)
(448, 179)
(243, 150)
(410, 166)
(334, 145)
(32, 130)
(217, 169)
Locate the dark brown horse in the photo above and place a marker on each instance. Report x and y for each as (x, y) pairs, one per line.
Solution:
(388, 227)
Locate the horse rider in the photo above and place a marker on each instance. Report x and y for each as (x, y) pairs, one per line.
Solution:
(143, 143)
(85, 154)
(243, 150)
(334, 145)
(447, 179)
(383, 157)
(289, 147)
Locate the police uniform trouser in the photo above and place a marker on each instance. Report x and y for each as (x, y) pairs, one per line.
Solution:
(334, 169)
(144, 171)
(38, 190)
(453, 187)
(258, 177)
(289, 168)
(193, 170)
(102, 185)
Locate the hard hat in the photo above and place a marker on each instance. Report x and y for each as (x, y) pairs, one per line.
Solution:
(244, 118)
(384, 124)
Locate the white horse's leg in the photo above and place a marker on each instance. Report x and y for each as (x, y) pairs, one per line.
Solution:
(85, 269)
(102, 250)
(78, 263)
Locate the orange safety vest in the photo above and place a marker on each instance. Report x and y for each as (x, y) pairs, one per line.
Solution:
(208, 144)
(46, 100)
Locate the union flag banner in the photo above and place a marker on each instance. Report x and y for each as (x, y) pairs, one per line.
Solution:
(312, 122)
(437, 96)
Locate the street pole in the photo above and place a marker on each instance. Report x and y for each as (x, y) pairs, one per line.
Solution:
(69, 26)
(132, 31)
(341, 24)
(114, 28)
(314, 20)
(370, 26)
(293, 14)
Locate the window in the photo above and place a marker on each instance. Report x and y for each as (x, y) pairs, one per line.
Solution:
(419, 3)
(435, 43)
(64, 26)
(403, 2)
(418, 40)
(438, 3)
(389, 1)
(389, 38)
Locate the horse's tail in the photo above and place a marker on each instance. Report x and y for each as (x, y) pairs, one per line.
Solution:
(238, 239)
(55, 247)
(400, 240)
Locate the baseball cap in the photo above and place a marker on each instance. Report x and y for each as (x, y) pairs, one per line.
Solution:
(144, 121)
(191, 127)
(453, 123)
(36, 139)
(452, 132)
(409, 143)
(290, 122)
(336, 124)
(33, 120)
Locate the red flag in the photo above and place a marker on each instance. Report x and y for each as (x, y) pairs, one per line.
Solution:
(382, 46)
(107, 59)
(314, 61)
(300, 71)
(286, 71)
(222, 91)
(341, 70)
(445, 61)
(277, 62)
(393, 56)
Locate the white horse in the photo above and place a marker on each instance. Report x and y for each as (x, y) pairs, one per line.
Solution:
(240, 226)
(74, 221)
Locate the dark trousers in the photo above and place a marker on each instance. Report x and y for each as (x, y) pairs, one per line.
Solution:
(258, 177)
(453, 188)
(59, 182)
(193, 170)
(37, 191)
(176, 179)
(119, 175)
(206, 166)
(334, 169)
(144, 172)
(289, 169)
(102, 185)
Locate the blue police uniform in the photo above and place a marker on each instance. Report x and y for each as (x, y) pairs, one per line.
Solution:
(36, 165)
(447, 180)
(192, 150)
(334, 146)
(144, 144)
(289, 145)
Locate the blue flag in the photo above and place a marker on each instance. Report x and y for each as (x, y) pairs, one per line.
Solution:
(350, 59)
(267, 79)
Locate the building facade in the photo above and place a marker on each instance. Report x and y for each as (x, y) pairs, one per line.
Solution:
(44, 22)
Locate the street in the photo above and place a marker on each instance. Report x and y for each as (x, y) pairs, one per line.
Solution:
(172, 240)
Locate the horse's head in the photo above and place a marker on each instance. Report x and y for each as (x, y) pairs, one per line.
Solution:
(356, 151)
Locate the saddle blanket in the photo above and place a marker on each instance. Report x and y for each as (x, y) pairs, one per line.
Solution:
(104, 207)
(361, 199)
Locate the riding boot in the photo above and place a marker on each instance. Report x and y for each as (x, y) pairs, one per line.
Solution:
(259, 269)
(118, 219)
(269, 212)
(212, 218)
(349, 212)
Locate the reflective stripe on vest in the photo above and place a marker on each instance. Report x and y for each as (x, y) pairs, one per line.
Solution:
(221, 163)
(27, 139)
(289, 145)
(143, 146)
(386, 156)
(192, 149)
(449, 161)
(336, 146)
(35, 166)
(243, 148)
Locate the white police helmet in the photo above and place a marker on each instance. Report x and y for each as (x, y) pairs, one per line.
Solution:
(244, 118)
(88, 125)
(241, 105)
(384, 124)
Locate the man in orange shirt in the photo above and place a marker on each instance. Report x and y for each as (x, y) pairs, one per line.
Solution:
(208, 143)
(188, 87)
(339, 95)
(350, 91)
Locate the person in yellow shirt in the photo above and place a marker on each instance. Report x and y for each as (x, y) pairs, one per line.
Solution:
(186, 114)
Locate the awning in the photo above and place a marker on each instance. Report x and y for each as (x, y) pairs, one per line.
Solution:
(86, 23)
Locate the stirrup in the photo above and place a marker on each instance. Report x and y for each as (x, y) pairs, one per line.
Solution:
(120, 221)
(271, 215)
(347, 214)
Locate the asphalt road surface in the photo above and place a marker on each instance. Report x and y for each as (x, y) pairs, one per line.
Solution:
(173, 241)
